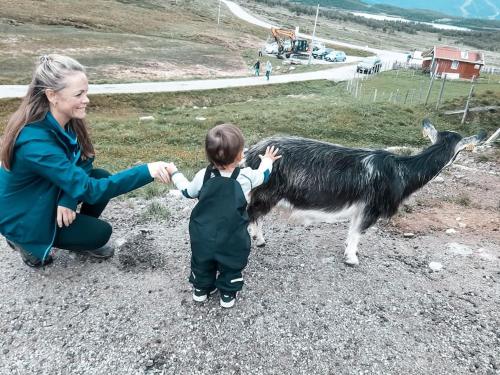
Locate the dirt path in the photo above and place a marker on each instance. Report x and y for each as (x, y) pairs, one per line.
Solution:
(302, 310)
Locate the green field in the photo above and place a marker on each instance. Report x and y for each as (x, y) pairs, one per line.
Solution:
(318, 109)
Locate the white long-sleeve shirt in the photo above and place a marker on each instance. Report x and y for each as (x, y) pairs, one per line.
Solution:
(248, 178)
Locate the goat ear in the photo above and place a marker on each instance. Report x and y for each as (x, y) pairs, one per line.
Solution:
(428, 130)
(469, 143)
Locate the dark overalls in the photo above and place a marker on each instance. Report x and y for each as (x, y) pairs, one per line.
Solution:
(219, 236)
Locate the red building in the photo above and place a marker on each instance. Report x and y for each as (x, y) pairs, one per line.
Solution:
(453, 62)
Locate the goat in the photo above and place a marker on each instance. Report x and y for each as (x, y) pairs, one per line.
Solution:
(329, 181)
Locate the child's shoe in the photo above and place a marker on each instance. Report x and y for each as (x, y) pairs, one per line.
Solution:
(201, 295)
(227, 299)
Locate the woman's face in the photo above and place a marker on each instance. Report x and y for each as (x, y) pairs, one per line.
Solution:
(70, 102)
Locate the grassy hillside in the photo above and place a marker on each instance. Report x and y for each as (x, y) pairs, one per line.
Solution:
(131, 40)
(126, 40)
(340, 25)
(319, 109)
(485, 34)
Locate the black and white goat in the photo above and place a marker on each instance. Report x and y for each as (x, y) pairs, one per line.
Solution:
(331, 182)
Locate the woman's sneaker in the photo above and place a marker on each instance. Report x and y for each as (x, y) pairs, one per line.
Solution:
(28, 258)
(227, 299)
(201, 295)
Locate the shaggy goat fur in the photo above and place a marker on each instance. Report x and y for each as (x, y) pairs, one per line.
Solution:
(360, 184)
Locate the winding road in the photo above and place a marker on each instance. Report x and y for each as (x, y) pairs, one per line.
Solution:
(340, 72)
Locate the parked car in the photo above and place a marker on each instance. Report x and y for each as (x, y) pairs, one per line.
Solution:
(321, 53)
(336, 56)
(369, 65)
(318, 45)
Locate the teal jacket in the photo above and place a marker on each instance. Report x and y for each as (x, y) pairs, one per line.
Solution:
(47, 171)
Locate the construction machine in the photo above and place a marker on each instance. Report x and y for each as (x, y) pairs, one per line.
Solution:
(288, 43)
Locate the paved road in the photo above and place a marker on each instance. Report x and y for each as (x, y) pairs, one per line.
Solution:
(339, 71)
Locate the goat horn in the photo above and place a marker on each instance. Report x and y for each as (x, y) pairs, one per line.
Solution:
(428, 130)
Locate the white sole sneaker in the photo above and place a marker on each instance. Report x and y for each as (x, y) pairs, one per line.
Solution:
(203, 297)
(228, 304)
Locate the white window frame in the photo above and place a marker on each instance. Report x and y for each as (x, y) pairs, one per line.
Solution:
(455, 64)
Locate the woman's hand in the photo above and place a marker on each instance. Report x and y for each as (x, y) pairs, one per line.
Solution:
(65, 216)
(271, 153)
(171, 168)
(158, 170)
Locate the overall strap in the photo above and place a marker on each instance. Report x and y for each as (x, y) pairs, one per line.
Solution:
(208, 173)
(235, 173)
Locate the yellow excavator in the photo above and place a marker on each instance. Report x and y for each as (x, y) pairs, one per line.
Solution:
(298, 46)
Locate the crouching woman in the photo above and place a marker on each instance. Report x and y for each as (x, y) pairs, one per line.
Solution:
(46, 170)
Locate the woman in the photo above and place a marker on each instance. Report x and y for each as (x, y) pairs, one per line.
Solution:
(46, 170)
(269, 69)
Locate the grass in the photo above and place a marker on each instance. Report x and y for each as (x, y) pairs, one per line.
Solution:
(317, 109)
(413, 85)
(155, 211)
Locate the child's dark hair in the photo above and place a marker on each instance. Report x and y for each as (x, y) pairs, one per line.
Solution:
(223, 144)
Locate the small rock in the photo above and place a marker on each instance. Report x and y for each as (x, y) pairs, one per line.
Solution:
(408, 235)
(458, 218)
(200, 118)
(146, 118)
(435, 266)
(451, 231)
(458, 249)
(195, 107)
(462, 225)
(439, 179)
(120, 242)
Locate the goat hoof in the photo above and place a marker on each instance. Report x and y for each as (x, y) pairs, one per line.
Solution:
(351, 260)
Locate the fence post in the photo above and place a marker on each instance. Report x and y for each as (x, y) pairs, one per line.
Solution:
(390, 97)
(466, 109)
(406, 97)
(430, 88)
(375, 96)
(441, 92)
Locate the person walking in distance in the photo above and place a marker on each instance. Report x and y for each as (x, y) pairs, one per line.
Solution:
(269, 69)
(256, 67)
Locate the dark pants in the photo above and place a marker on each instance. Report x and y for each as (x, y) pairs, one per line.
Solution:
(86, 232)
(204, 274)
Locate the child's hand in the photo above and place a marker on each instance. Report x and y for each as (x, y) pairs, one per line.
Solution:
(271, 153)
(171, 168)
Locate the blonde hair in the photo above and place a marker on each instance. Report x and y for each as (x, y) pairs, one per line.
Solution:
(50, 73)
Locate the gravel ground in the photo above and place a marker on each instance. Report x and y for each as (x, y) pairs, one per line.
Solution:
(302, 311)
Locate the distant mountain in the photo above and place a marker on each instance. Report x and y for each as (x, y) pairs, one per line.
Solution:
(486, 9)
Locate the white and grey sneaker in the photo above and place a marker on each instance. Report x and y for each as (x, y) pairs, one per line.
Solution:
(201, 295)
(227, 299)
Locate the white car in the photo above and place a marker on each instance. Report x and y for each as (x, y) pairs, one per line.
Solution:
(335, 56)
(369, 65)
